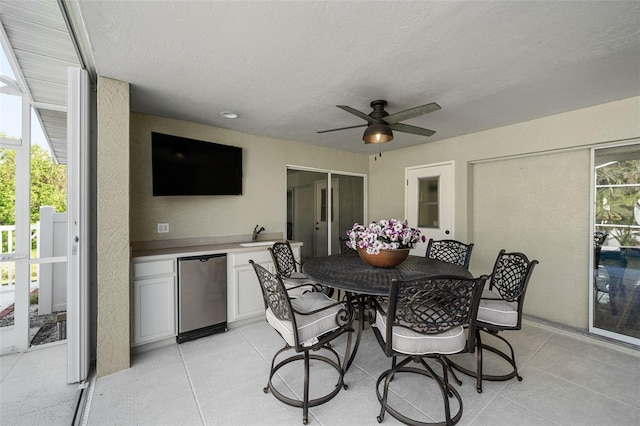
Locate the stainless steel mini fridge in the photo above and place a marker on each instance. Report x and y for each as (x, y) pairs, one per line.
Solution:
(202, 296)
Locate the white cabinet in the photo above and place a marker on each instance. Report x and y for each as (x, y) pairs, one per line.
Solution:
(154, 301)
(244, 297)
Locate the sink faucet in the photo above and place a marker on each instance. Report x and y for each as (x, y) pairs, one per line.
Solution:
(256, 231)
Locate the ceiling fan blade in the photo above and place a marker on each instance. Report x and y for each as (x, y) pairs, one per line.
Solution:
(406, 128)
(358, 113)
(411, 112)
(342, 128)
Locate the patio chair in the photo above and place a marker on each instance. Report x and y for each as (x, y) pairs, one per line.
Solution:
(501, 309)
(425, 319)
(450, 251)
(286, 265)
(306, 323)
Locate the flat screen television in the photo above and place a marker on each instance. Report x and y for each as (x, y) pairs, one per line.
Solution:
(183, 166)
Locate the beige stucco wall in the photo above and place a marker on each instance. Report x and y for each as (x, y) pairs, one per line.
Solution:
(113, 226)
(523, 187)
(264, 182)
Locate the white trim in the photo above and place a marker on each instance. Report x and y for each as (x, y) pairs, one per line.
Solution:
(22, 232)
(78, 136)
(13, 62)
(10, 143)
(49, 106)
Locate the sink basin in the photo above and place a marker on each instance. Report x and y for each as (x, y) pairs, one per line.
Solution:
(257, 243)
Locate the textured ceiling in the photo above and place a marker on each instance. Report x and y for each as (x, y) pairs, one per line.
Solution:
(284, 66)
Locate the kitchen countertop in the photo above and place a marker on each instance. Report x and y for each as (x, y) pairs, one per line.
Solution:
(160, 253)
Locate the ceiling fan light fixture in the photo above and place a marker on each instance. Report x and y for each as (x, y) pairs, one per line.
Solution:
(377, 133)
(229, 114)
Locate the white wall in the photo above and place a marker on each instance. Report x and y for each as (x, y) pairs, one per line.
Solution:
(523, 187)
(264, 183)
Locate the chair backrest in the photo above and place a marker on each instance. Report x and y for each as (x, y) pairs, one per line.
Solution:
(283, 258)
(510, 276)
(274, 293)
(598, 240)
(434, 305)
(450, 251)
(344, 248)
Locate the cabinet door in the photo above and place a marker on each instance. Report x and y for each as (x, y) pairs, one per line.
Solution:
(248, 301)
(154, 309)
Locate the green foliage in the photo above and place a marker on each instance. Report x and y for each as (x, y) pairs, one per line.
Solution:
(615, 204)
(7, 186)
(48, 184)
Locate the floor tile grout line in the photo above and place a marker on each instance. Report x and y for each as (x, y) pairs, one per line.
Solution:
(525, 407)
(585, 388)
(590, 358)
(21, 355)
(193, 390)
(584, 336)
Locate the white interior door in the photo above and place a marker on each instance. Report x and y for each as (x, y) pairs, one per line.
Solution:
(325, 213)
(429, 202)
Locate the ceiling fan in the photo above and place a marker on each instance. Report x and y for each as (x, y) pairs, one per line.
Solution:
(380, 124)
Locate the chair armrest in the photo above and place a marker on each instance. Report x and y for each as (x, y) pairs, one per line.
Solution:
(344, 315)
(301, 282)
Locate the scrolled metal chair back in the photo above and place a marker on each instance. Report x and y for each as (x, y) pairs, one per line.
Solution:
(598, 240)
(274, 294)
(511, 274)
(283, 258)
(434, 305)
(450, 251)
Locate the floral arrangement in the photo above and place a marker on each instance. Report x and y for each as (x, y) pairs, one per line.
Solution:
(389, 234)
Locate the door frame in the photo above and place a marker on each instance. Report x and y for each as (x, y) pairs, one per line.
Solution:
(78, 237)
(329, 178)
(430, 171)
(589, 241)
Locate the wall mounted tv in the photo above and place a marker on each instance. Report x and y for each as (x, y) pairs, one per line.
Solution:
(182, 166)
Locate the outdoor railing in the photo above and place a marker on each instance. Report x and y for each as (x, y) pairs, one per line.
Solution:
(7, 246)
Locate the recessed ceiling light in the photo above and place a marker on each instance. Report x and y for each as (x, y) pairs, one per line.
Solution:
(229, 114)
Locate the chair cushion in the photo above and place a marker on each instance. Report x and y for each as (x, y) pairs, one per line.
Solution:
(310, 327)
(497, 311)
(410, 342)
(294, 282)
(298, 275)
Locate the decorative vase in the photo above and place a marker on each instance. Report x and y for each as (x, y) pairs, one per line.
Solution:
(385, 259)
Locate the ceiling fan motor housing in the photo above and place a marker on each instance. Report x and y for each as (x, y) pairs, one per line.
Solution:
(378, 110)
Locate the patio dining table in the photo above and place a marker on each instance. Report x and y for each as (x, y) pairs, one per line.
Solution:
(360, 281)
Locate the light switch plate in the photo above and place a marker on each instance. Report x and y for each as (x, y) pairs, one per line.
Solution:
(163, 228)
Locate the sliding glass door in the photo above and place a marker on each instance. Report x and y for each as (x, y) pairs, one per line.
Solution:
(321, 207)
(615, 296)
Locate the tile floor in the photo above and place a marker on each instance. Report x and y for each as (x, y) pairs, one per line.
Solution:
(569, 379)
(34, 389)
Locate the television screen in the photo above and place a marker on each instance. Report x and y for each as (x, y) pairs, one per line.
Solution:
(182, 166)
